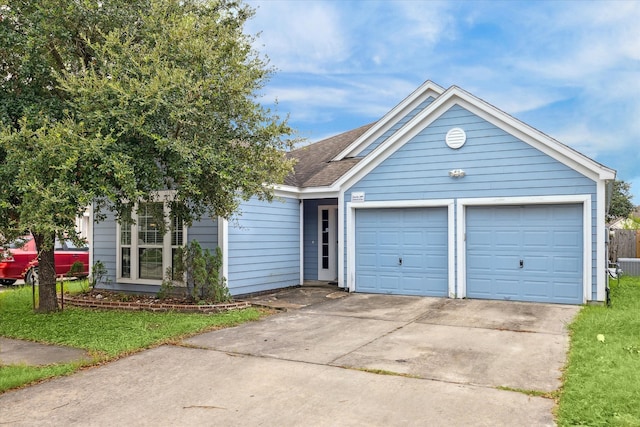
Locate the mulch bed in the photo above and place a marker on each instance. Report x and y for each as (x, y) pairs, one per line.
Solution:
(103, 299)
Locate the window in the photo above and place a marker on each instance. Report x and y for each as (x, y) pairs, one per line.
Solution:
(144, 251)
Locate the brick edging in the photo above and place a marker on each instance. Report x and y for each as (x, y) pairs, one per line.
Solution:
(155, 307)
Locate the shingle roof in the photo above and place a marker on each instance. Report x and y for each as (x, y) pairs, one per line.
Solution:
(314, 167)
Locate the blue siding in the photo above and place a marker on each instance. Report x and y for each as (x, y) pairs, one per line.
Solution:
(104, 245)
(311, 235)
(395, 127)
(496, 163)
(205, 231)
(264, 246)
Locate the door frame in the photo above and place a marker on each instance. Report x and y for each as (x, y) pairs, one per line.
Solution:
(330, 273)
(461, 232)
(351, 233)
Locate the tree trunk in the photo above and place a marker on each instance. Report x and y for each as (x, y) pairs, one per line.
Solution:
(46, 273)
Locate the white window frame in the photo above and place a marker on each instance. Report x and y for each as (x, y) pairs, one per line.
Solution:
(167, 248)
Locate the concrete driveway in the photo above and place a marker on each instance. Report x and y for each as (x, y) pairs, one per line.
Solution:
(358, 360)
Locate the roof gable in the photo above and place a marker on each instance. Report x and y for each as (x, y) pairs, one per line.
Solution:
(331, 164)
(457, 96)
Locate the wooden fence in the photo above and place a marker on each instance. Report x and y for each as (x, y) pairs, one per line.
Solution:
(624, 244)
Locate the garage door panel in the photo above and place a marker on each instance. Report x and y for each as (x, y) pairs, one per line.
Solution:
(537, 264)
(412, 284)
(436, 262)
(418, 236)
(367, 259)
(565, 290)
(547, 238)
(503, 263)
(505, 289)
(480, 238)
(568, 239)
(388, 238)
(505, 239)
(536, 290)
(388, 260)
(569, 265)
(537, 238)
(367, 238)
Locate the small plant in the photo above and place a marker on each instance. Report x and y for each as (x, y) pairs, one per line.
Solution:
(77, 268)
(98, 272)
(200, 271)
(167, 288)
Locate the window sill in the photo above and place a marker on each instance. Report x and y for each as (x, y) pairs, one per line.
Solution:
(128, 280)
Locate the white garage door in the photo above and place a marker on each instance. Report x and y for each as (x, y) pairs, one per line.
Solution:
(402, 251)
(525, 253)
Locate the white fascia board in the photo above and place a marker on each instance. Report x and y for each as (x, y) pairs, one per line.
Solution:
(286, 191)
(456, 96)
(306, 193)
(426, 90)
(320, 193)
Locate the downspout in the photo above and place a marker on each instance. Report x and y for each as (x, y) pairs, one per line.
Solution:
(608, 190)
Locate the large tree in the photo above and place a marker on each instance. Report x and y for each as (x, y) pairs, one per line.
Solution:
(112, 101)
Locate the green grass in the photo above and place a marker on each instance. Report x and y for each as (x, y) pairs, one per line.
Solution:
(602, 378)
(105, 334)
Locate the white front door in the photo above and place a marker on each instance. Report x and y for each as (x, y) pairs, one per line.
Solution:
(327, 243)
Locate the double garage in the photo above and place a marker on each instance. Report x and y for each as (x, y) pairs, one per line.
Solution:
(519, 252)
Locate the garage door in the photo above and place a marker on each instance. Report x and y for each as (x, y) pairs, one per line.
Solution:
(525, 253)
(402, 251)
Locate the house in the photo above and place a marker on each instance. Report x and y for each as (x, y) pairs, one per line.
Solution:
(626, 223)
(446, 196)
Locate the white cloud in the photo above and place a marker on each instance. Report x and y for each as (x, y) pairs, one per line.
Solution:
(300, 36)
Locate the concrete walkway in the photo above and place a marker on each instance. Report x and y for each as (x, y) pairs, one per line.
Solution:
(355, 360)
(16, 352)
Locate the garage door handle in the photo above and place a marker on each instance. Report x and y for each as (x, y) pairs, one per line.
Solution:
(521, 263)
(399, 261)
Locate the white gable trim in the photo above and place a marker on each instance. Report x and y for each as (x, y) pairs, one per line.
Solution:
(426, 90)
(456, 96)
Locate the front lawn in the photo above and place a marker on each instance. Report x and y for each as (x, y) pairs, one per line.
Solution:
(105, 334)
(602, 379)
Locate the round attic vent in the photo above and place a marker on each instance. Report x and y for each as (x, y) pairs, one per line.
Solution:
(456, 138)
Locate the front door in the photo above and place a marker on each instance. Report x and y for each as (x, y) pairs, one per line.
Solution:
(327, 243)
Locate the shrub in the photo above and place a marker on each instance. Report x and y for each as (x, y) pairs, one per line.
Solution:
(200, 271)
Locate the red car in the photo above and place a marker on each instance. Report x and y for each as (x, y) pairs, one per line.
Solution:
(22, 261)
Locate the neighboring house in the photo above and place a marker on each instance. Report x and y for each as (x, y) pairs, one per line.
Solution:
(444, 196)
(626, 223)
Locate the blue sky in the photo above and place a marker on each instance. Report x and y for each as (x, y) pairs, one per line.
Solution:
(571, 69)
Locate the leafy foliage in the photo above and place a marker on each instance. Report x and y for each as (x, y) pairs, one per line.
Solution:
(621, 205)
(113, 101)
(200, 271)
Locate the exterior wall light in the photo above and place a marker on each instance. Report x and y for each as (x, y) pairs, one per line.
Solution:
(456, 173)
